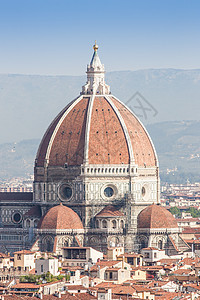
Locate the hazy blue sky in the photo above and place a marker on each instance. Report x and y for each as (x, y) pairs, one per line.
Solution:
(56, 36)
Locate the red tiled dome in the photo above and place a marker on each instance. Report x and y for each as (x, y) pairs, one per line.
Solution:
(104, 132)
(110, 211)
(60, 217)
(156, 216)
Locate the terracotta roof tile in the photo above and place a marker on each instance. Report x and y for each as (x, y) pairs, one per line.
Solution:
(165, 261)
(68, 144)
(130, 255)
(142, 146)
(123, 290)
(110, 211)
(156, 216)
(25, 285)
(60, 217)
(182, 272)
(107, 142)
(64, 140)
(75, 287)
(41, 154)
(106, 285)
(24, 252)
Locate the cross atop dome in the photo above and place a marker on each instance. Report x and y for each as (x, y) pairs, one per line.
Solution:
(95, 47)
(95, 76)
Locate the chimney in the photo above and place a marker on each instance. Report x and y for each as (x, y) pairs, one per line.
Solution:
(58, 294)
(98, 271)
(123, 262)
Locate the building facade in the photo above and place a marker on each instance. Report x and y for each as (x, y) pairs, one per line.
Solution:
(97, 155)
(98, 161)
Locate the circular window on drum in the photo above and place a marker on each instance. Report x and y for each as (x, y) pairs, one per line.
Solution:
(109, 192)
(17, 217)
(65, 192)
(145, 192)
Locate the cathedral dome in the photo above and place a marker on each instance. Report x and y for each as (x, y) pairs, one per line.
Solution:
(60, 217)
(156, 216)
(96, 128)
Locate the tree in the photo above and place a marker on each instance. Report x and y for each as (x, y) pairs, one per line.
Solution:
(175, 211)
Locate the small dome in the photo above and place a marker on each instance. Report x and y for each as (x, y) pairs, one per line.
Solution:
(110, 211)
(156, 216)
(60, 217)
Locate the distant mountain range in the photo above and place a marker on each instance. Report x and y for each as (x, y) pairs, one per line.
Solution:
(30, 102)
(177, 144)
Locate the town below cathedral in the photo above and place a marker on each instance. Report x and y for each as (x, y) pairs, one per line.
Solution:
(96, 224)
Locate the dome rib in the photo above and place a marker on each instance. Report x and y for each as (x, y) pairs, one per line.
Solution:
(56, 137)
(42, 150)
(130, 145)
(96, 130)
(87, 130)
(107, 141)
(139, 141)
(127, 136)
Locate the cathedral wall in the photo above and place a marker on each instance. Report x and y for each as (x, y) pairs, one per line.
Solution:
(89, 186)
(84, 190)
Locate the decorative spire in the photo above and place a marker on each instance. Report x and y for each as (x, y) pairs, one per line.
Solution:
(95, 76)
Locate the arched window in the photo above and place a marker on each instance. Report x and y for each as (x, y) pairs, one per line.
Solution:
(28, 223)
(35, 223)
(121, 224)
(114, 224)
(143, 244)
(160, 244)
(97, 223)
(48, 246)
(66, 243)
(104, 224)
